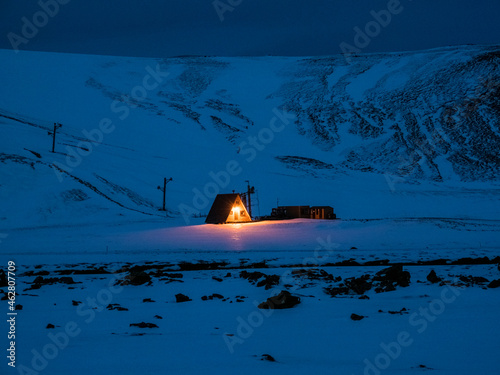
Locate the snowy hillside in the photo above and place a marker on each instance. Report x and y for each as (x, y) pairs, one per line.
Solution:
(393, 135)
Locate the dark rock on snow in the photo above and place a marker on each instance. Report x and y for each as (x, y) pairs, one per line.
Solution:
(313, 274)
(284, 300)
(36, 273)
(39, 280)
(214, 295)
(336, 290)
(385, 280)
(202, 265)
(116, 306)
(267, 357)
(356, 317)
(136, 277)
(404, 310)
(174, 275)
(394, 274)
(347, 263)
(424, 367)
(494, 284)
(144, 325)
(378, 262)
(480, 279)
(390, 277)
(433, 278)
(89, 271)
(251, 276)
(468, 260)
(182, 298)
(352, 285)
(268, 281)
(3, 278)
(473, 279)
(358, 285)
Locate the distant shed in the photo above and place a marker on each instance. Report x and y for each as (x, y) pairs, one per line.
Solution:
(291, 212)
(228, 208)
(322, 212)
(303, 212)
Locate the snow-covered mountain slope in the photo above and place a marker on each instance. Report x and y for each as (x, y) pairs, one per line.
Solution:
(388, 135)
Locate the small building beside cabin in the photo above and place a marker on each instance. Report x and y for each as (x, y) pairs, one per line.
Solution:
(303, 212)
(291, 212)
(322, 212)
(228, 208)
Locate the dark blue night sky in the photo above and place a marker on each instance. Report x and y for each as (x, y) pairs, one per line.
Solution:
(165, 28)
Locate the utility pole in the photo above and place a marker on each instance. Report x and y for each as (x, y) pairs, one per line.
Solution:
(164, 189)
(258, 201)
(250, 191)
(53, 133)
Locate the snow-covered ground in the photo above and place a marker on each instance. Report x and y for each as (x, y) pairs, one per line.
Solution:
(404, 239)
(354, 137)
(448, 328)
(444, 329)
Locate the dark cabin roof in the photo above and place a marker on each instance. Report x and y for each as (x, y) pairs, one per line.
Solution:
(221, 208)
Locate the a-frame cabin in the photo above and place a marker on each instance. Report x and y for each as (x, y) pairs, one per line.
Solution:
(228, 208)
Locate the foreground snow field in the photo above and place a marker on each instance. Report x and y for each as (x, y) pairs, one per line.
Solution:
(442, 329)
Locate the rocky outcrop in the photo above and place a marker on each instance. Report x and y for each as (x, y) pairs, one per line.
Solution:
(284, 300)
(433, 278)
